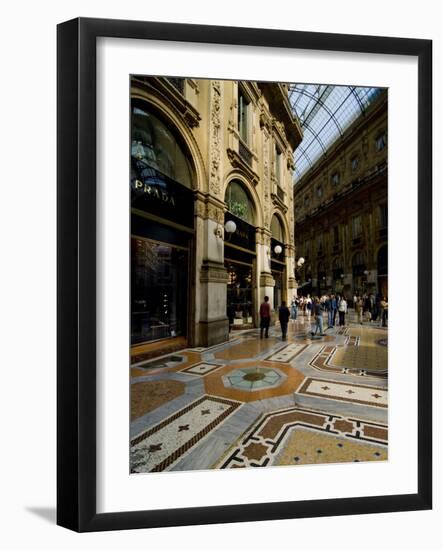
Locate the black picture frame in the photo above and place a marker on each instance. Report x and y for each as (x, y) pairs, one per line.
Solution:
(76, 264)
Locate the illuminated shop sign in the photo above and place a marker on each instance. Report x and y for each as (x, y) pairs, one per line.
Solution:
(157, 194)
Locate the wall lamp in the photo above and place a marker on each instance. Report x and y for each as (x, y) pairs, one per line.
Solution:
(230, 227)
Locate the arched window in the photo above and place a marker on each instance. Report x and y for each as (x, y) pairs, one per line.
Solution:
(155, 145)
(238, 202)
(277, 229)
(358, 259)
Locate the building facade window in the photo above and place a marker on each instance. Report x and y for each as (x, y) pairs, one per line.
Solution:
(335, 236)
(335, 178)
(320, 244)
(276, 229)
(238, 202)
(155, 146)
(354, 163)
(319, 191)
(243, 116)
(380, 142)
(383, 216)
(356, 227)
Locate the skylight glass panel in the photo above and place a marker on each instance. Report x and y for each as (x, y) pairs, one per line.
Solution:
(324, 113)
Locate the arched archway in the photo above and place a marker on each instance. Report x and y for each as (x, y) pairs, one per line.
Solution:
(240, 254)
(181, 133)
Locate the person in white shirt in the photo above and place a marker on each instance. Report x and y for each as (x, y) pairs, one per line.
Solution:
(342, 309)
(308, 307)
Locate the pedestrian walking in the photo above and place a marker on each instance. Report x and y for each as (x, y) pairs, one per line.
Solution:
(318, 315)
(384, 311)
(283, 316)
(308, 307)
(334, 309)
(342, 309)
(265, 317)
(294, 307)
(329, 303)
(359, 309)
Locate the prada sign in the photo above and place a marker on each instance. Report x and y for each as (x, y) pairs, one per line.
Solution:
(155, 193)
(159, 193)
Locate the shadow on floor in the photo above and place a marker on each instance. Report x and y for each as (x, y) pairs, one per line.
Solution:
(48, 514)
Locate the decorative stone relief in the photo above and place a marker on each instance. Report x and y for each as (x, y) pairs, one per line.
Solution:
(215, 138)
(215, 213)
(266, 183)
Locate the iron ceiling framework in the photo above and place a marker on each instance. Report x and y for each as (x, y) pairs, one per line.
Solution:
(325, 112)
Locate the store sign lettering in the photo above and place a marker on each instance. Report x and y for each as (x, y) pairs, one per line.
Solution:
(155, 192)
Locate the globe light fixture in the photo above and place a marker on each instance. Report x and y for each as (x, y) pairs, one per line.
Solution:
(230, 226)
(278, 249)
(300, 262)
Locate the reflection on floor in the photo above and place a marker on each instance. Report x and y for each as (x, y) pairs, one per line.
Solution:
(255, 403)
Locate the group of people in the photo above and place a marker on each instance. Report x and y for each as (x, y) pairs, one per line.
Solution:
(373, 307)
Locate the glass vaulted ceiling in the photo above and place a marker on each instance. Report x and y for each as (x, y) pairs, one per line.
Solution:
(324, 113)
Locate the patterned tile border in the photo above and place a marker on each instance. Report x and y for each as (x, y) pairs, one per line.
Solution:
(177, 434)
(286, 354)
(329, 389)
(201, 369)
(268, 437)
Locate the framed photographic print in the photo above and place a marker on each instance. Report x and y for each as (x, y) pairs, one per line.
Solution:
(244, 242)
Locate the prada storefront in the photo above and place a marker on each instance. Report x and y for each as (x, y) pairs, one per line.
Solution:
(162, 229)
(211, 209)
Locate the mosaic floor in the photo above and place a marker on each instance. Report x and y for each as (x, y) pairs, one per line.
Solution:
(255, 403)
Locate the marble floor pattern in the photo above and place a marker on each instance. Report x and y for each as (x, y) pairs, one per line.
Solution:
(256, 403)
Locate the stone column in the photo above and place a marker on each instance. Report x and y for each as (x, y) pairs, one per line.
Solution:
(290, 283)
(212, 278)
(211, 275)
(266, 281)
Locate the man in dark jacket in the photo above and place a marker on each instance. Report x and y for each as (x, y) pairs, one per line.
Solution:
(283, 316)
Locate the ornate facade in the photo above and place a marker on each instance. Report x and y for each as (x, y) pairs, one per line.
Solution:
(227, 156)
(341, 211)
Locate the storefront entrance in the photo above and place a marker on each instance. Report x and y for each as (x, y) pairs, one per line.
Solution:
(239, 294)
(159, 290)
